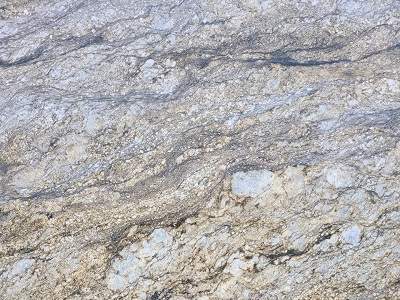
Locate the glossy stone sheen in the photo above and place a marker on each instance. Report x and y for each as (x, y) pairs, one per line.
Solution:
(199, 149)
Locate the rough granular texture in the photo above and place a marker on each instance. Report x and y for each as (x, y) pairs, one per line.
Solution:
(191, 149)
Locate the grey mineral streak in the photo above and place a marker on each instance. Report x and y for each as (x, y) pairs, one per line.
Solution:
(190, 149)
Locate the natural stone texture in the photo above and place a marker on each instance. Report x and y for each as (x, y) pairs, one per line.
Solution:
(352, 235)
(251, 183)
(199, 149)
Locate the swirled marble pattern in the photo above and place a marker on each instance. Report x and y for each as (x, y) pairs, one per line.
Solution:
(189, 149)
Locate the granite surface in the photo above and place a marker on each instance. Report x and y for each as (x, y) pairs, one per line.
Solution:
(189, 149)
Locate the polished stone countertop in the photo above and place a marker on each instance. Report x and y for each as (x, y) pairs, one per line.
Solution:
(189, 149)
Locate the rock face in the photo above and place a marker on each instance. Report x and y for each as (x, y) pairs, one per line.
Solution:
(199, 149)
(252, 183)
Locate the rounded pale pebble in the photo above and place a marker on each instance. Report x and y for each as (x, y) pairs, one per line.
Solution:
(352, 235)
(236, 267)
(160, 235)
(251, 183)
(148, 63)
(159, 240)
(339, 177)
(21, 266)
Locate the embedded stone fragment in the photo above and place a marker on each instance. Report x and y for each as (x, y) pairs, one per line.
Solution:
(352, 235)
(339, 177)
(251, 183)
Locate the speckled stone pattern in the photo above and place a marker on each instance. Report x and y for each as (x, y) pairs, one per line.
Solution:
(199, 149)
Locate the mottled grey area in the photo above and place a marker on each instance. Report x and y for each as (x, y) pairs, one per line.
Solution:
(188, 149)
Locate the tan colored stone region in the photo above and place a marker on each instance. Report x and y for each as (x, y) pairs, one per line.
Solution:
(199, 149)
